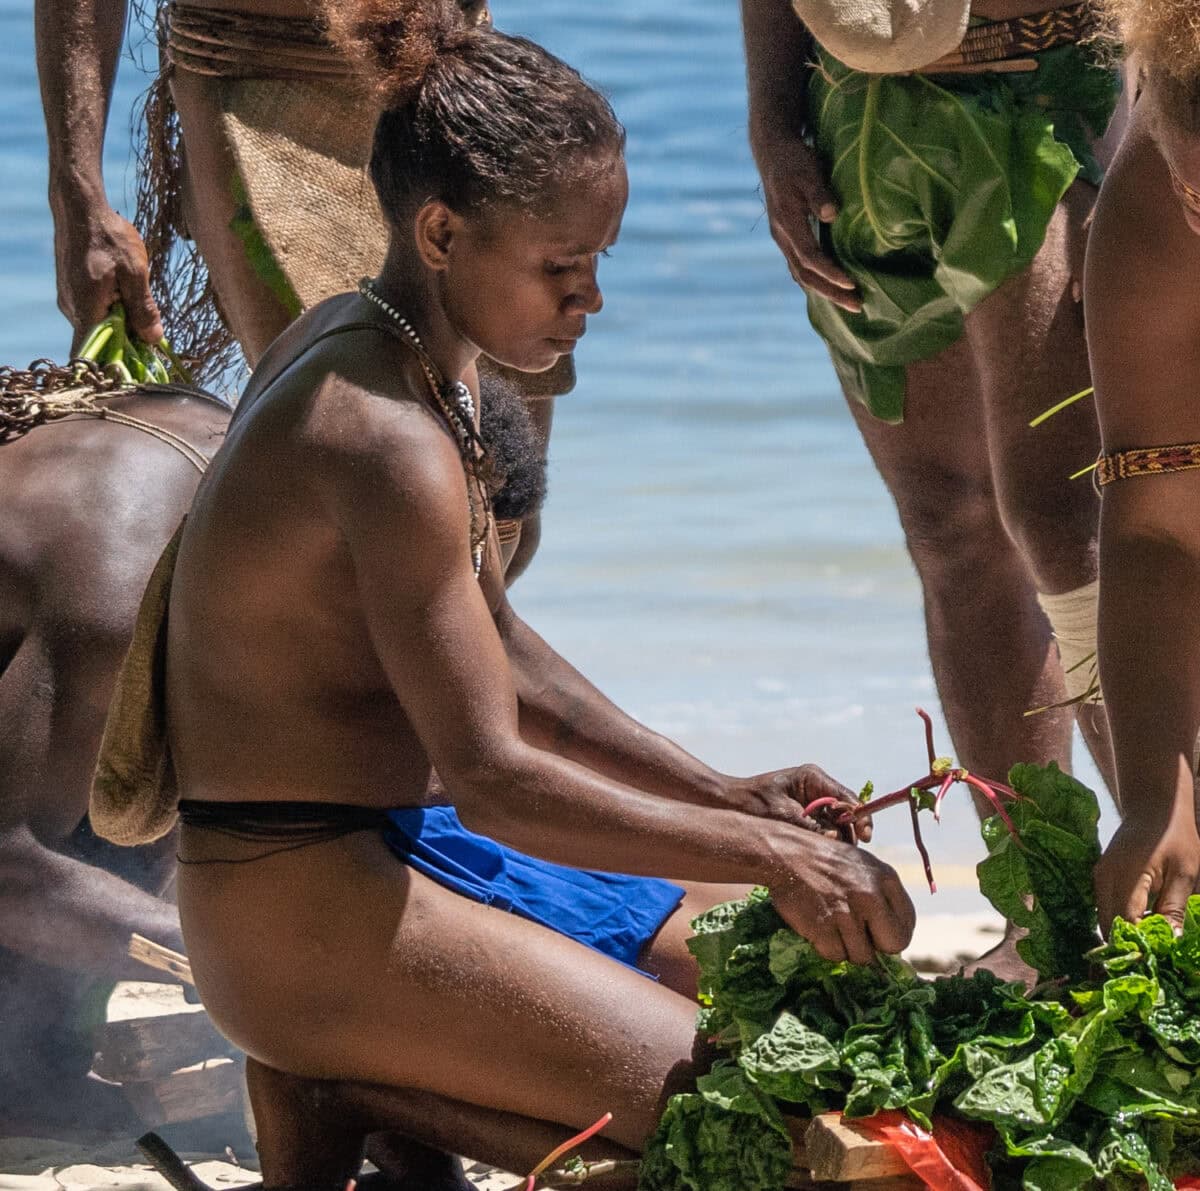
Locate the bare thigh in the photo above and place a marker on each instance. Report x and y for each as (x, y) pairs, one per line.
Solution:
(1029, 345)
(666, 955)
(339, 962)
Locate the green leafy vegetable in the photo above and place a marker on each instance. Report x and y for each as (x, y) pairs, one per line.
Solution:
(1092, 1082)
(946, 186)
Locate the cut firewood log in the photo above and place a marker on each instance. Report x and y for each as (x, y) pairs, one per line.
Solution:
(207, 1089)
(836, 1150)
(143, 1048)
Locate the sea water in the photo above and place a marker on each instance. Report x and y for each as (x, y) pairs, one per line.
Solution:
(719, 555)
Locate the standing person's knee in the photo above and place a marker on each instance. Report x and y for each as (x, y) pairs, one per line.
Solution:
(1055, 526)
(950, 523)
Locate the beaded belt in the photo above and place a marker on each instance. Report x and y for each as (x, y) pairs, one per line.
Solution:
(1147, 461)
(1006, 45)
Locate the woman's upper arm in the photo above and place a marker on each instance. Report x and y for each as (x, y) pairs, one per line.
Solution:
(401, 505)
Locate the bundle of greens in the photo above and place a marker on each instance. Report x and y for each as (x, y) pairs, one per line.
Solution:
(126, 358)
(1091, 1080)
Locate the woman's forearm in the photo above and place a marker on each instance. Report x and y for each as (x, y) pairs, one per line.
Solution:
(1149, 644)
(778, 50)
(563, 713)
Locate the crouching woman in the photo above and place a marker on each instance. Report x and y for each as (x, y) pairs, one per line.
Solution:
(338, 630)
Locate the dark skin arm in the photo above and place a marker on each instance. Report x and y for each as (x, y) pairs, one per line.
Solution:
(794, 184)
(561, 711)
(1143, 255)
(70, 915)
(399, 504)
(99, 255)
(55, 908)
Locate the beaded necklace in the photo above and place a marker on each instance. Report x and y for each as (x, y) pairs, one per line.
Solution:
(458, 408)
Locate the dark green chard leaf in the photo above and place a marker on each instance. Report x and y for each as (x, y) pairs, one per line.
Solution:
(1094, 1083)
(1042, 879)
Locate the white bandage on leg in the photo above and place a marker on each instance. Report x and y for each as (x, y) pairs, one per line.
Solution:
(1074, 617)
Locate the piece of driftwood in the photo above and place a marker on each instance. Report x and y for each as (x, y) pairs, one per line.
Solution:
(162, 959)
(204, 1090)
(143, 1048)
(838, 1151)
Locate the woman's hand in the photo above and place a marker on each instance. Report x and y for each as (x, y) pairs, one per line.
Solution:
(796, 193)
(101, 260)
(845, 901)
(783, 794)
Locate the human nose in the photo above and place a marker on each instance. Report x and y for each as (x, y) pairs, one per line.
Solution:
(586, 298)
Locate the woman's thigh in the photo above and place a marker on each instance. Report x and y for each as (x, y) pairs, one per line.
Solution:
(337, 961)
(666, 955)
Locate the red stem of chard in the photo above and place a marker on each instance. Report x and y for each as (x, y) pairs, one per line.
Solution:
(566, 1147)
(916, 826)
(928, 735)
(941, 775)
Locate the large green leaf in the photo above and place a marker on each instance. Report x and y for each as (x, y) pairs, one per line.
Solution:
(1091, 1083)
(946, 188)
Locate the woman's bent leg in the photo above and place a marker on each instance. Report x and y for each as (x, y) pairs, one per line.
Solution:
(339, 962)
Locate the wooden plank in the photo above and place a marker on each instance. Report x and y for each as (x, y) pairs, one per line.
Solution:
(801, 1182)
(205, 1090)
(838, 1151)
(161, 958)
(143, 1048)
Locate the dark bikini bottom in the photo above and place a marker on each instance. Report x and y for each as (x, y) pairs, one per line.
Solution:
(612, 913)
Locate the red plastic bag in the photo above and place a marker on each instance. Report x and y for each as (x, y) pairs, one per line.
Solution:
(951, 1158)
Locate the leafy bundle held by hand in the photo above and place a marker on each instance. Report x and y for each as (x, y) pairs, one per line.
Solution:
(1087, 1083)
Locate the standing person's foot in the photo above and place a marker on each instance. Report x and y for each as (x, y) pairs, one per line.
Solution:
(1004, 962)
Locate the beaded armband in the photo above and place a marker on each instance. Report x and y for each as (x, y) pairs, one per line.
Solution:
(1147, 461)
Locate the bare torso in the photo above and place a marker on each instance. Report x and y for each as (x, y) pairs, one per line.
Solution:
(269, 650)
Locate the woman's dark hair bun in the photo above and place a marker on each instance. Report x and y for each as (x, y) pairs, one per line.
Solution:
(395, 42)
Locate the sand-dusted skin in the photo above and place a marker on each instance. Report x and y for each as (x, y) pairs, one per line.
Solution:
(330, 641)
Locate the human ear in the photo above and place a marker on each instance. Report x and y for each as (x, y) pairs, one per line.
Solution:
(435, 229)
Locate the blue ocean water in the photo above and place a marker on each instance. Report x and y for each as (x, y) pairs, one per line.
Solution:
(719, 554)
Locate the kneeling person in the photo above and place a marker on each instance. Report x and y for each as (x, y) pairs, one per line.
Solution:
(338, 629)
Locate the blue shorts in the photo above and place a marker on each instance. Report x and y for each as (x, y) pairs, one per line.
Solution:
(612, 913)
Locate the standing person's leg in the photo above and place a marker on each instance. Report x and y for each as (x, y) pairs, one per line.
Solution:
(989, 644)
(1035, 322)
